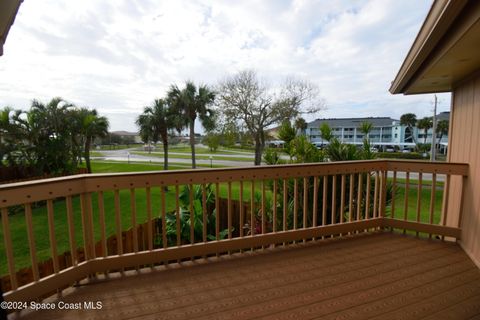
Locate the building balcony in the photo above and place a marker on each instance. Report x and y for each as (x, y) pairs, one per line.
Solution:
(353, 240)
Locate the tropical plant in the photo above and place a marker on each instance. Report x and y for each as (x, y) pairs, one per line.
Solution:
(92, 126)
(155, 122)
(196, 216)
(271, 156)
(301, 125)
(326, 132)
(287, 133)
(425, 124)
(410, 121)
(442, 129)
(365, 128)
(304, 151)
(338, 151)
(192, 102)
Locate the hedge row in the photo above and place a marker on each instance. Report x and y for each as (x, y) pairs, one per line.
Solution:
(400, 155)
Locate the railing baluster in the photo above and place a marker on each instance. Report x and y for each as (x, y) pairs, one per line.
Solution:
(305, 202)
(91, 233)
(394, 191)
(462, 201)
(315, 201)
(342, 198)
(148, 194)
(433, 191)
(359, 196)
(217, 211)
(334, 201)
(405, 203)
(324, 204)
(252, 208)
(9, 249)
(118, 222)
(51, 233)
(446, 191)
(376, 195)
(263, 207)
(229, 210)
(86, 244)
(367, 195)
(383, 203)
(192, 215)
(240, 200)
(71, 231)
(285, 205)
(101, 217)
(204, 213)
(350, 200)
(87, 223)
(31, 241)
(295, 203)
(274, 206)
(177, 215)
(164, 216)
(419, 197)
(133, 212)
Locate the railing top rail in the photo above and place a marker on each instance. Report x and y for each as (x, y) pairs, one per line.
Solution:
(31, 191)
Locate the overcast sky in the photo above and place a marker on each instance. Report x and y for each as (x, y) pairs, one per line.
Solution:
(118, 55)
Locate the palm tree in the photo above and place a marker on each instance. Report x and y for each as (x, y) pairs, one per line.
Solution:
(155, 122)
(365, 128)
(301, 125)
(409, 120)
(191, 103)
(424, 124)
(442, 129)
(93, 126)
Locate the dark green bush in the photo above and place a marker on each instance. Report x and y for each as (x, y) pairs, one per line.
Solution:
(399, 155)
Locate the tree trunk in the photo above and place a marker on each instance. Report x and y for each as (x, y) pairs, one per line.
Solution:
(165, 154)
(258, 151)
(87, 154)
(192, 143)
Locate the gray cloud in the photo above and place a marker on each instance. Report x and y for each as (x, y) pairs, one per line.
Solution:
(117, 56)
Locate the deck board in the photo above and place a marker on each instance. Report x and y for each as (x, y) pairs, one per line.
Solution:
(363, 277)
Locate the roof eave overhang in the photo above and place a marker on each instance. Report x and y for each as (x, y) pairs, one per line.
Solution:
(440, 17)
(10, 8)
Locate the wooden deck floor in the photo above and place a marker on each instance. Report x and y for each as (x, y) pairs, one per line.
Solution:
(379, 276)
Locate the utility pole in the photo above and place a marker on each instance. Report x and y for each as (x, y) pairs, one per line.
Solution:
(433, 154)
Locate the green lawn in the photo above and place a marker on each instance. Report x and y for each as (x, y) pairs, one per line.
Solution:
(198, 157)
(412, 204)
(121, 166)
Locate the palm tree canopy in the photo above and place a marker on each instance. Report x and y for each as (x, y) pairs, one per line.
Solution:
(192, 102)
(408, 119)
(366, 127)
(442, 127)
(425, 123)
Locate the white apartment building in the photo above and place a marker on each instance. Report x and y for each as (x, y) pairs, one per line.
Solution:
(386, 132)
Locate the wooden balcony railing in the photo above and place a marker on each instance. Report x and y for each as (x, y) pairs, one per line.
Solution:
(266, 206)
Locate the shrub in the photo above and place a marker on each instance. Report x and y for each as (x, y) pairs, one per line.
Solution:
(399, 155)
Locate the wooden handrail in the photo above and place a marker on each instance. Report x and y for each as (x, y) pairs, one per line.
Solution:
(39, 190)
